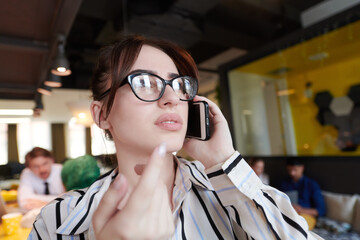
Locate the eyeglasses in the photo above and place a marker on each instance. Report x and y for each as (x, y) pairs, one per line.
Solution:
(149, 87)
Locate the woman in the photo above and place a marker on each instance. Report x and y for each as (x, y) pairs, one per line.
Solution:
(153, 194)
(258, 165)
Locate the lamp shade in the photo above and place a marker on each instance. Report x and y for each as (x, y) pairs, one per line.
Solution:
(53, 81)
(38, 102)
(45, 90)
(61, 66)
(39, 105)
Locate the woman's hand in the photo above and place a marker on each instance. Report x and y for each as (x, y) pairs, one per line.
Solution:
(219, 147)
(145, 215)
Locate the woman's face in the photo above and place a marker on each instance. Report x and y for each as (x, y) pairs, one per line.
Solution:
(259, 167)
(144, 125)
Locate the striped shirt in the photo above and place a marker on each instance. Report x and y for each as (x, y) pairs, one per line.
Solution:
(227, 201)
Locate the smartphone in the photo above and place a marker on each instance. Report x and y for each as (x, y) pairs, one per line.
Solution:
(198, 121)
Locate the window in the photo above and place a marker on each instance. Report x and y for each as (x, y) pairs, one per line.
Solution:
(99, 143)
(75, 140)
(301, 97)
(32, 134)
(3, 143)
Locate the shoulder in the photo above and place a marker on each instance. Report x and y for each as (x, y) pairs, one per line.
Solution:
(311, 182)
(57, 166)
(285, 181)
(68, 209)
(72, 198)
(68, 200)
(26, 173)
(56, 212)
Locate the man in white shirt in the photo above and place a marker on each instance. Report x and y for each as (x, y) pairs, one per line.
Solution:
(40, 181)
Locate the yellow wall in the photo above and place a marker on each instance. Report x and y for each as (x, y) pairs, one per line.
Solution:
(336, 72)
(311, 137)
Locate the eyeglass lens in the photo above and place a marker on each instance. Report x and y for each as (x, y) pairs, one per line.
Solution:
(149, 87)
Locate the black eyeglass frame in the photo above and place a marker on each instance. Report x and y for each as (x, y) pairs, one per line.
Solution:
(129, 78)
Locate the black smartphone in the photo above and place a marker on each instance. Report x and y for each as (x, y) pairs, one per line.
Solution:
(198, 121)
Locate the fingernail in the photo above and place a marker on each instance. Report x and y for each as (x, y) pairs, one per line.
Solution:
(118, 182)
(162, 149)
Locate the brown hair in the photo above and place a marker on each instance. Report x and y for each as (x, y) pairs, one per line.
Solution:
(116, 60)
(254, 160)
(37, 152)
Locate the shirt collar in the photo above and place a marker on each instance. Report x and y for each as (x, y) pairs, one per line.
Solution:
(191, 172)
(187, 174)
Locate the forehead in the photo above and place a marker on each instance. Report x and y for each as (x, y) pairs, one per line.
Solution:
(151, 58)
(295, 167)
(259, 163)
(40, 160)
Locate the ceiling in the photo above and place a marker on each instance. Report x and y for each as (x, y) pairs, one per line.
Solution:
(340, 45)
(214, 31)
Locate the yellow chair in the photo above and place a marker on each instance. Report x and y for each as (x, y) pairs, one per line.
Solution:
(311, 221)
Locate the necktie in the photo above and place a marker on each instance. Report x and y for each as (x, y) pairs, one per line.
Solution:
(46, 188)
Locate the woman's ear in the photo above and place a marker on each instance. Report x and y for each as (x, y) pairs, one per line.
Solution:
(98, 115)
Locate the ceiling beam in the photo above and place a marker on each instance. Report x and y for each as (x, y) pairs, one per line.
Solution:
(27, 44)
(228, 37)
(16, 88)
(324, 10)
(17, 96)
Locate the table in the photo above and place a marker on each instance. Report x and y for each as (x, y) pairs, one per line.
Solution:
(22, 235)
(12, 206)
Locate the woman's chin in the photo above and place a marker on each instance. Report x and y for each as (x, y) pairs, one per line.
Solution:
(173, 145)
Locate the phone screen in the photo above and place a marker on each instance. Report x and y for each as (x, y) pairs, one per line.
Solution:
(194, 124)
(198, 121)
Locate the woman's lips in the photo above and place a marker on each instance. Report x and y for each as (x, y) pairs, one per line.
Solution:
(169, 122)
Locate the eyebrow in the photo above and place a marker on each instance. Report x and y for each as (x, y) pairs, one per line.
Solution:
(170, 74)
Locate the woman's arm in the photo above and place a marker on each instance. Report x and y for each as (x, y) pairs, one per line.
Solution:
(261, 211)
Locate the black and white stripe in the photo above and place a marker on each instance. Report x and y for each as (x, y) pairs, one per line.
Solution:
(225, 202)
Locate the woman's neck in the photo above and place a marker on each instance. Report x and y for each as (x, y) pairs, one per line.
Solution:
(132, 162)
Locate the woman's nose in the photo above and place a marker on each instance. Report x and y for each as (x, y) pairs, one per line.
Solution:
(169, 97)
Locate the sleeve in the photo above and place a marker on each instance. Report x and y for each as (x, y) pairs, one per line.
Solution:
(26, 190)
(262, 211)
(318, 200)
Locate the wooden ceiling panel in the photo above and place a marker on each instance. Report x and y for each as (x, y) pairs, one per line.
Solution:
(20, 67)
(31, 19)
(28, 42)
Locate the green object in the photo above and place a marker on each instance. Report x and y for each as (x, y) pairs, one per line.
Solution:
(79, 172)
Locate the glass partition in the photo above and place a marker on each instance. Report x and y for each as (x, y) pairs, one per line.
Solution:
(301, 100)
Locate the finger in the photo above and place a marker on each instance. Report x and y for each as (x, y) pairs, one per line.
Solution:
(168, 221)
(148, 220)
(108, 204)
(156, 210)
(214, 109)
(160, 211)
(149, 180)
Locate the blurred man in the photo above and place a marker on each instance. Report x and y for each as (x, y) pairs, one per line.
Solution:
(40, 181)
(305, 193)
